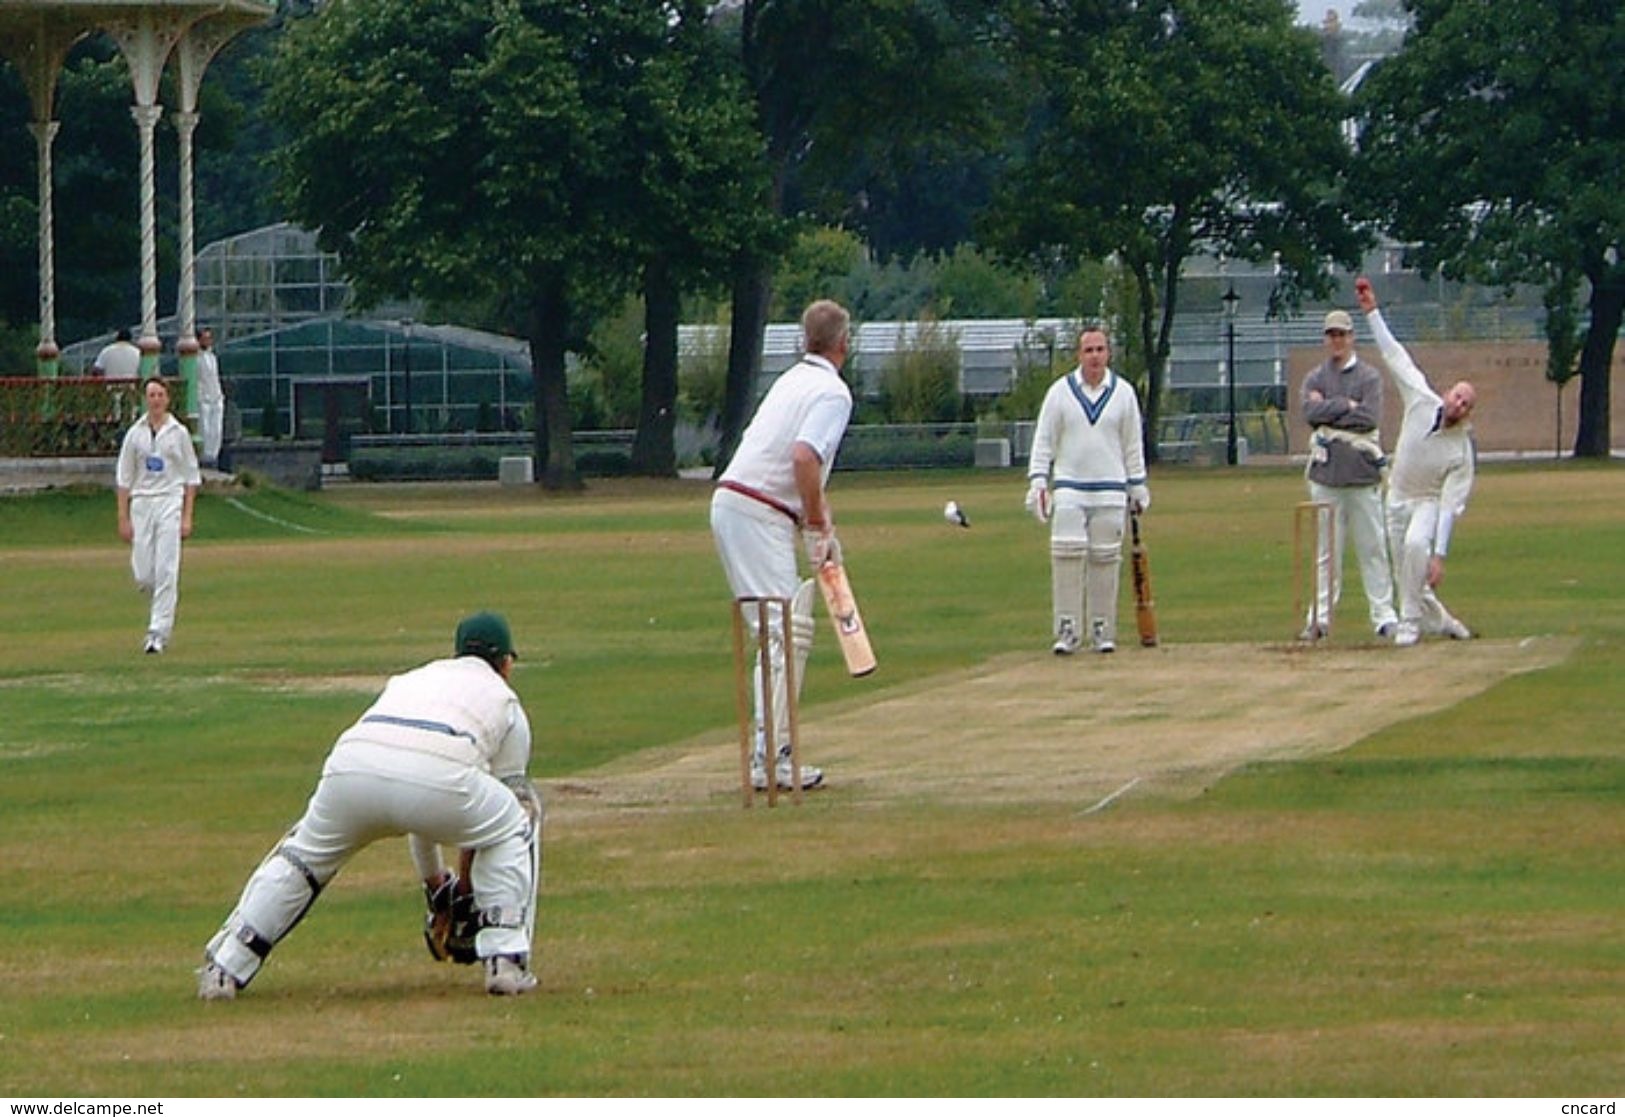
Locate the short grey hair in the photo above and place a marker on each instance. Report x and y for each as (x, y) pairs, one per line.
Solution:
(824, 324)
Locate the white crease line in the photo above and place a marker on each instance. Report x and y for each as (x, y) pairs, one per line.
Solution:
(1113, 797)
(240, 506)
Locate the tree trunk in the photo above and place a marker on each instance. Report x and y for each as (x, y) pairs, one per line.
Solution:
(1155, 364)
(548, 333)
(1593, 436)
(654, 448)
(752, 291)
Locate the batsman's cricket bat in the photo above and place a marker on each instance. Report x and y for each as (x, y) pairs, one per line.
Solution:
(843, 613)
(1145, 609)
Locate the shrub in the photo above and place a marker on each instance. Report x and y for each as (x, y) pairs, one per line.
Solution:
(921, 385)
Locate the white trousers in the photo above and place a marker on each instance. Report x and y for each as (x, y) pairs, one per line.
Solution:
(211, 421)
(155, 556)
(757, 545)
(1358, 513)
(1411, 528)
(372, 791)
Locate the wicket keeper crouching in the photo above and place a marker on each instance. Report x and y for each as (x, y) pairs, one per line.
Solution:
(441, 756)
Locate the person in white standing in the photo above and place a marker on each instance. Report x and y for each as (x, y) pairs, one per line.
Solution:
(157, 480)
(442, 757)
(1429, 484)
(211, 398)
(1342, 401)
(119, 359)
(1087, 464)
(773, 489)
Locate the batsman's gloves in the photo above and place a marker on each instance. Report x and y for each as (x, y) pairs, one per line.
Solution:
(821, 546)
(1139, 498)
(1038, 500)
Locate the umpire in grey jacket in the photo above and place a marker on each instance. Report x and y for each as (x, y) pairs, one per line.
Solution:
(1342, 402)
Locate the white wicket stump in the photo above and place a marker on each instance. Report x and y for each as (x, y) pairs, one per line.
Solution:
(1318, 521)
(764, 610)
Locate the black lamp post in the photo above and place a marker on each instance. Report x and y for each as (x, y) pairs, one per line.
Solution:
(1231, 301)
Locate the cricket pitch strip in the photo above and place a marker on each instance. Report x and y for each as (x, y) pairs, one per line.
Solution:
(1087, 730)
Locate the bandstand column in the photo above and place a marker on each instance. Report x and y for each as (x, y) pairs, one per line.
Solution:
(47, 353)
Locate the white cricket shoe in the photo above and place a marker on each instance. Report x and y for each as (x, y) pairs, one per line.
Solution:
(810, 777)
(1103, 644)
(154, 644)
(1409, 634)
(1066, 640)
(508, 975)
(215, 984)
(1313, 632)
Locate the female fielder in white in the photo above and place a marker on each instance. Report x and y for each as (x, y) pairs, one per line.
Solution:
(440, 756)
(773, 487)
(1088, 435)
(157, 487)
(1428, 486)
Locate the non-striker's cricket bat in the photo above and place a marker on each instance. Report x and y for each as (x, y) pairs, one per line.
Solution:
(848, 622)
(1145, 609)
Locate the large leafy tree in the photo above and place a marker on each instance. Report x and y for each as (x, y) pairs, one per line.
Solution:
(1495, 141)
(1166, 128)
(699, 182)
(457, 149)
(832, 82)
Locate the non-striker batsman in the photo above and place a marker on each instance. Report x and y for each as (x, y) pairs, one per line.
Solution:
(1086, 466)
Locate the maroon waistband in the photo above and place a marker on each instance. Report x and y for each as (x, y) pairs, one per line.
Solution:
(776, 505)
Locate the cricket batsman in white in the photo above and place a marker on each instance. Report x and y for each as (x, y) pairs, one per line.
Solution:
(773, 491)
(441, 756)
(1428, 485)
(1089, 436)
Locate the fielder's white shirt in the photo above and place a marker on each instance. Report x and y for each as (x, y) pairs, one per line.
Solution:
(208, 377)
(120, 360)
(1430, 461)
(808, 403)
(157, 463)
(1090, 439)
(459, 709)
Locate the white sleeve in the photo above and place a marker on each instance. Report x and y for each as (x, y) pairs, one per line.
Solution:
(1406, 375)
(128, 465)
(1133, 438)
(1042, 454)
(1458, 485)
(512, 757)
(825, 425)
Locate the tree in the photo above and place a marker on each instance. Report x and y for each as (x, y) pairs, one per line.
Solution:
(457, 149)
(832, 81)
(700, 180)
(1170, 127)
(1495, 142)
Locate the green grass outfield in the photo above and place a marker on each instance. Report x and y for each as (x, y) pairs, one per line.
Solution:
(1435, 911)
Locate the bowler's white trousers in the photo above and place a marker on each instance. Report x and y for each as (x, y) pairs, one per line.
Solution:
(155, 555)
(370, 791)
(1412, 525)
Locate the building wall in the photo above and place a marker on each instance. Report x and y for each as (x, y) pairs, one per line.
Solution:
(1517, 405)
